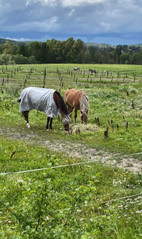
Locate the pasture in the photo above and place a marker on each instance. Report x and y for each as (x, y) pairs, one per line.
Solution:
(98, 199)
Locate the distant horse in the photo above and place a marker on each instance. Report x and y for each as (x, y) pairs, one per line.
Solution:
(77, 100)
(46, 100)
(76, 69)
(92, 71)
(106, 73)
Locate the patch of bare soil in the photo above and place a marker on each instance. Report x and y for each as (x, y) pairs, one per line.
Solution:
(79, 151)
(91, 154)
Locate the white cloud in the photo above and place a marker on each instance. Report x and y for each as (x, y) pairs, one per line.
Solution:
(71, 13)
(51, 3)
(68, 3)
(83, 18)
(19, 39)
(39, 26)
(64, 3)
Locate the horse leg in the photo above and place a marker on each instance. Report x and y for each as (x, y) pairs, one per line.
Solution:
(48, 119)
(51, 120)
(75, 115)
(26, 114)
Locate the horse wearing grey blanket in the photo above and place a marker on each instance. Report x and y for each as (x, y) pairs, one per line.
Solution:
(47, 100)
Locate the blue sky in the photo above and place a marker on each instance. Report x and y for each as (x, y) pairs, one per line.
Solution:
(102, 21)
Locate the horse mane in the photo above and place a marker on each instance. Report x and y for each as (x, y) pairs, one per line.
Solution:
(61, 103)
(84, 103)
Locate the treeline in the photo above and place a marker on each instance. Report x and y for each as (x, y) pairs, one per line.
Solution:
(69, 51)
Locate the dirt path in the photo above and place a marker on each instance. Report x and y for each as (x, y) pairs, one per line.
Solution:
(79, 151)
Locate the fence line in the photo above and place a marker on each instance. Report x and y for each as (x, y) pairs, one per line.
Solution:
(115, 199)
(105, 202)
(69, 165)
(41, 169)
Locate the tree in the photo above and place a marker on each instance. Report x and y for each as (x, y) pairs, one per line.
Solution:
(69, 50)
(52, 50)
(43, 53)
(10, 48)
(6, 59)
(117, 54)
(78, 49)
(125, 58)
(20, 59)
(34, 49)
(136, 58)
(23, 50)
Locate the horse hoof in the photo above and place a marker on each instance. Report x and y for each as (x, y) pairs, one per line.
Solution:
(47, 129)
(28, 125)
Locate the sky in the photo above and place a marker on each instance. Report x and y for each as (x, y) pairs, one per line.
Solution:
(101, 21)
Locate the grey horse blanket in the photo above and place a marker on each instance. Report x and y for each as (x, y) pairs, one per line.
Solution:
(40, 99)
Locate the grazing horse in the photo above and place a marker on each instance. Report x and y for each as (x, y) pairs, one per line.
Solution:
(77, 100)
(46, 100)
(106, 73)
(76, 69)
(92, 71)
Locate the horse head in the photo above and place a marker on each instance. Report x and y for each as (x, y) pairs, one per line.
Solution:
(84, 116)
(65, 121)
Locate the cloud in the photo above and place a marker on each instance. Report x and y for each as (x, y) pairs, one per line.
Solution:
(41, 26)
(64, 3)
(71, 13)
(87, 19)
(69, 3)
(51, 3)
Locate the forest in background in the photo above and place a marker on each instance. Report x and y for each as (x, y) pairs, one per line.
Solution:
(69, 51)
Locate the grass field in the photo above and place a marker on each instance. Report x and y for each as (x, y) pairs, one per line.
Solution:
(93, 200)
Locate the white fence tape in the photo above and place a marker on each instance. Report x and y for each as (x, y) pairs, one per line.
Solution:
(41, 169)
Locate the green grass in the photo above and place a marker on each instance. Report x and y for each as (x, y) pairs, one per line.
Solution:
(73, 202)
(109, 101)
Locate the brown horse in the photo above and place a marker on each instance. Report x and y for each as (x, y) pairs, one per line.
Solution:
(77, 100)
(47, 100)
